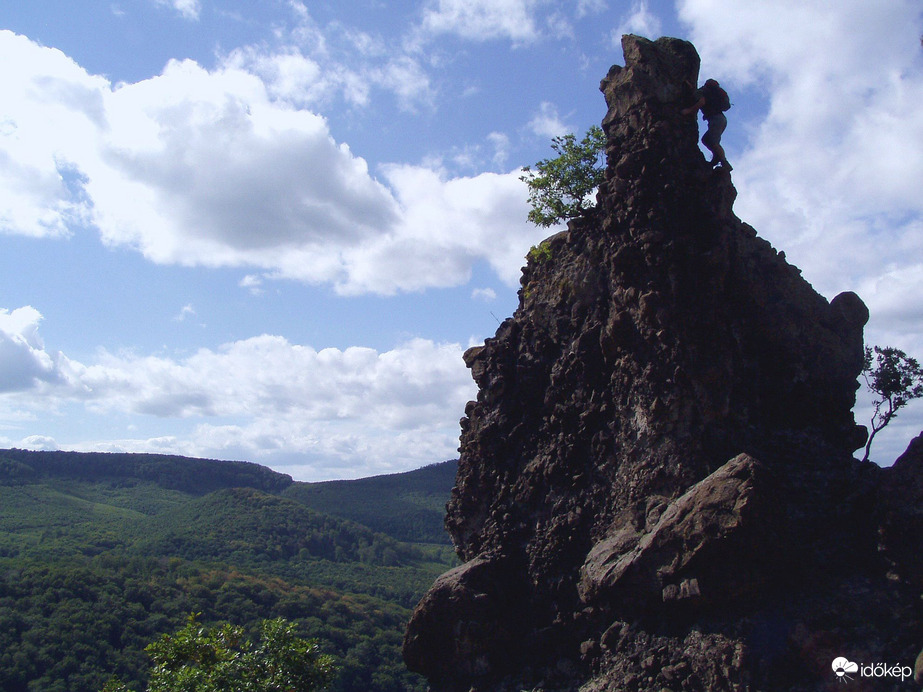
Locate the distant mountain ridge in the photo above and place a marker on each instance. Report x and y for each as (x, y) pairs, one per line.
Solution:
(194, 476)
(408, 506)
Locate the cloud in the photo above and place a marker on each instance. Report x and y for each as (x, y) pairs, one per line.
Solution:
(267, 396)
(267, 376)
(51, 112)
(289, 75)
(260, 398)
(24, 362)
(482, 20)
(216, 168)
(501, 145)
(39, 443)
(188, 9)
(588, 7)
(831, 152)
(310, 452)
(560, 26)
(186, 311)
(447, 225)
(313, 65)
(548, 123)
(252, 283)
(640, 21)
(200, 168)
(404, 76)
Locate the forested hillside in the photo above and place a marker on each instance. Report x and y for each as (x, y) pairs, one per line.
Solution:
(408, 506)
(101, 553)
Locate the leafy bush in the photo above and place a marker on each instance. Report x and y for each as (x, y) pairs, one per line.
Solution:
(223, 659)
(539, 254)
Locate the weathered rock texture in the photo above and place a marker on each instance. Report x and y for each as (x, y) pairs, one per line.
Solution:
(656, 488)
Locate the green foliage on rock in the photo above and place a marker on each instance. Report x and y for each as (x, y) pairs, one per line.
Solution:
(541, 253)
(560, 187)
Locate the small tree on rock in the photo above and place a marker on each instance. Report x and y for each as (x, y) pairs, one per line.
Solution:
(896, 379)
(560, 188)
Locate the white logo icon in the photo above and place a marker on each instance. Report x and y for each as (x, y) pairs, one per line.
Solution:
(842, 666)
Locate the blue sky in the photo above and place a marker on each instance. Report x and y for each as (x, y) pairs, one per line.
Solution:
(267, 231)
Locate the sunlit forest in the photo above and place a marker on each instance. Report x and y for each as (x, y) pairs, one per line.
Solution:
(102, 553)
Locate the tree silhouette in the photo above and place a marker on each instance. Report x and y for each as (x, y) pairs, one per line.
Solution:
(896, 379)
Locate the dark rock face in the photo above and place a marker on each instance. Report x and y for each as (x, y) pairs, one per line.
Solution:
(656, 487)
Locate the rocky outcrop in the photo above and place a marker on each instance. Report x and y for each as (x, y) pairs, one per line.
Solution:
(656, 487)
(900, 506)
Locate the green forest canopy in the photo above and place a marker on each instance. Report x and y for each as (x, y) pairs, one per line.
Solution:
(101, 554)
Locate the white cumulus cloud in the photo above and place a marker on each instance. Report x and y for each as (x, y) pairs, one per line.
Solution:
(351, 410)
(215, 168)
(265, 396)
(24, 362)
(639, 21)
(547, 122)
(481, 20)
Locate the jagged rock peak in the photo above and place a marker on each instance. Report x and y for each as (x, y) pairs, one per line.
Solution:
(648, 135)
(654, 437)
